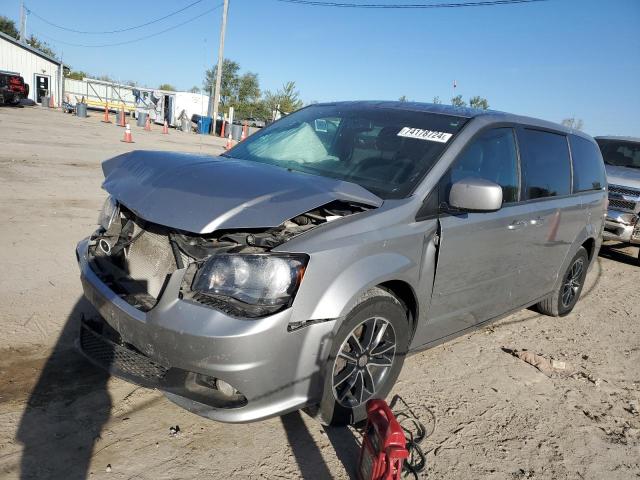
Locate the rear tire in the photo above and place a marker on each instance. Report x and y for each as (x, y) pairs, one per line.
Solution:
(368, 351)
(566, 295)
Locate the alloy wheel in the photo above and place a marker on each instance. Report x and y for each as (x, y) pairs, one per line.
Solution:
(363, 362)
(572, 282)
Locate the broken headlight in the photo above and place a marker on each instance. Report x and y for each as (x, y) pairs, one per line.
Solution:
(110, 211)
(267, 279)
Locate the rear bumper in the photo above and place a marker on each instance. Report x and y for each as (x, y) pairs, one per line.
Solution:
(275, 370)
(621, 227)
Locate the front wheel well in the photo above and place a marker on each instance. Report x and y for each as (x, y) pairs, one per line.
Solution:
(589, 245)
(405, 294)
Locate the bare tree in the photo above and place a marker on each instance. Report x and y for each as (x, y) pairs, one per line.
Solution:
(573, 122)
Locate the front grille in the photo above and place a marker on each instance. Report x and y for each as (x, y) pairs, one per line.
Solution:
(120, 359)
(632, 192)
(619, 204)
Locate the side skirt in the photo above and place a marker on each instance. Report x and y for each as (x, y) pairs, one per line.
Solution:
(446, 338)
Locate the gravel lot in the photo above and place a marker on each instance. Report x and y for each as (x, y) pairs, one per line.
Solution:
(495, 416)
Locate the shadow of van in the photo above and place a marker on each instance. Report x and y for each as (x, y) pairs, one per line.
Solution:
(65, 411)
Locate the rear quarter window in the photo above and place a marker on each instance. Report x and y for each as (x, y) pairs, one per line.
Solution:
(588, 167)
(545, 164)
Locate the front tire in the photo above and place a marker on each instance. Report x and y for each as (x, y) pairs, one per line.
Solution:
(365, 359)
(566, 295)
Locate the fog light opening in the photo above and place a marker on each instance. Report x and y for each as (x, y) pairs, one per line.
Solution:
(216, 384)
(224, 388)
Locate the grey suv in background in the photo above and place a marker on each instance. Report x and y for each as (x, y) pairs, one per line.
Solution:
(302, 266)
(622, 158)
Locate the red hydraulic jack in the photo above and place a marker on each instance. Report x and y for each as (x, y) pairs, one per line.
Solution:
(383, 446)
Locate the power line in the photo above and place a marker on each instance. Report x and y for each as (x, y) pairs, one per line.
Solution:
(484, 3)
(35, 14)
(136, 39)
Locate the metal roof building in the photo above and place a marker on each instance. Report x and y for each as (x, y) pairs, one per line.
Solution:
(43, 73)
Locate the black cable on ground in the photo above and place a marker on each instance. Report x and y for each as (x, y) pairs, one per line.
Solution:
(415, 433)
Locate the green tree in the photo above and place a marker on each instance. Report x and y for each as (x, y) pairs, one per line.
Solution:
(403, 98)
(457, 101)
(44, 47)
(8, 26)
(248, 95)
(76, 74)
(167, 86)
(478, 102)
(573, 122)
(194, 89)
(229, 84)
(436, 100)
(287, 99)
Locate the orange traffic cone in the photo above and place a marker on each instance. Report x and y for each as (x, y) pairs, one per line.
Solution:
(127, 135)
(51, 102)
(244, 132)
(147, 124)
(165, 128)
(106, 114)
(122, 115)
(229, 142)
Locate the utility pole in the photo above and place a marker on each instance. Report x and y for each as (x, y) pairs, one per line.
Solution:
(23, 24)
(216, 95)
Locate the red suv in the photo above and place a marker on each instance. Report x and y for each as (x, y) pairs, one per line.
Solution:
(12, 88)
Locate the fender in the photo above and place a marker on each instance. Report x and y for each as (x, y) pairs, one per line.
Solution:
(339, 299)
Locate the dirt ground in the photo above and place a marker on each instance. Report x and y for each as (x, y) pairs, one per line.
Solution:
(495, 416)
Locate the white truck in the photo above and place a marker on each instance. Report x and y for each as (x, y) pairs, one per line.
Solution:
(622, 160)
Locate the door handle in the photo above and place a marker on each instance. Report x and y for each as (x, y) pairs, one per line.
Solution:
(517, 225)
(537, 221)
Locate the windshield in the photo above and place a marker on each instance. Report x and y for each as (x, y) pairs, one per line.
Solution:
(387, 151)
(620, 153)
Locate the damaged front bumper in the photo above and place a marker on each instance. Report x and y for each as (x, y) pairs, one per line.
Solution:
(183, 348)
(622, 227)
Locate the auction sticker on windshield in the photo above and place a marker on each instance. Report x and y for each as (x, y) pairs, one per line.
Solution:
(421, 134)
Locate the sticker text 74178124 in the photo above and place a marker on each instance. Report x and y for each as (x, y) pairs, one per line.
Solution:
(421, 134)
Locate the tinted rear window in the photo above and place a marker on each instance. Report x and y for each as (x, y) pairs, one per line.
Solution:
(588, 168)
(546, 170)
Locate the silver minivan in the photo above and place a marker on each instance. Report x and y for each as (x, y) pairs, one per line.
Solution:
(300, 268)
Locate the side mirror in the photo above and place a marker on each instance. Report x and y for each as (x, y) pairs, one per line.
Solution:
(476, 195)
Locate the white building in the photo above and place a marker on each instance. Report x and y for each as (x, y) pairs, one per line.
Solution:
(43, 73)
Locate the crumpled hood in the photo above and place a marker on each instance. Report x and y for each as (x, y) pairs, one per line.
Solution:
(623, 176)
(201, 194)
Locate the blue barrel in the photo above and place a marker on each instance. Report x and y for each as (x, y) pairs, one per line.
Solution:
(204, 125)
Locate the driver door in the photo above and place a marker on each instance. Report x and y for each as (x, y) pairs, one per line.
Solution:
(480, 253)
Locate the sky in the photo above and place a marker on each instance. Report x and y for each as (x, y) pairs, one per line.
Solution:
(552, 60)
